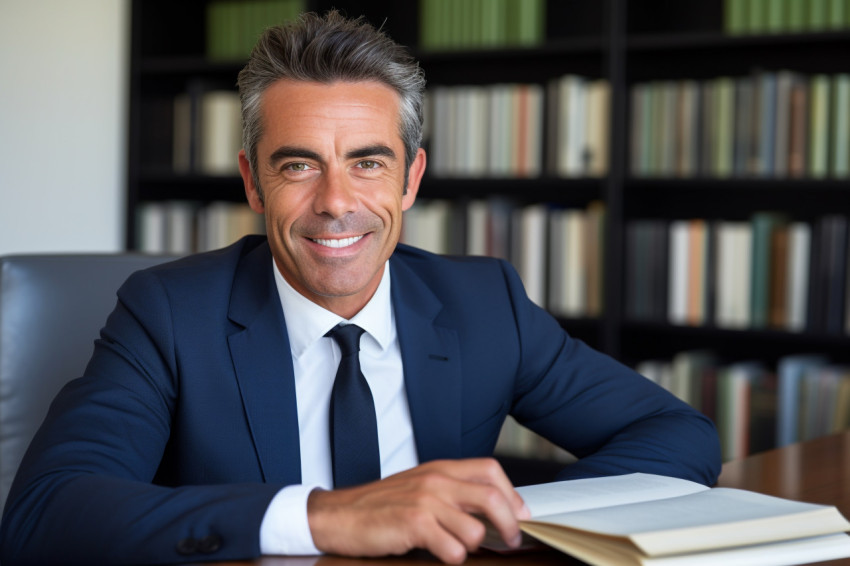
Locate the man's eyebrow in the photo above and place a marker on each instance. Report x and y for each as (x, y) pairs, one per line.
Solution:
(370, 151)
(287, 152)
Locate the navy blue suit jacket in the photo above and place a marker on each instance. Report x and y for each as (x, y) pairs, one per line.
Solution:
(184, 424)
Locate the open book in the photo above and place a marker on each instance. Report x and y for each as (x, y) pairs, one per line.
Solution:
(657, 520)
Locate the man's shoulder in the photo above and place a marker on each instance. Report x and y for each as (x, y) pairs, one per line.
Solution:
(208, 270)
(417, 258)
(449, 275)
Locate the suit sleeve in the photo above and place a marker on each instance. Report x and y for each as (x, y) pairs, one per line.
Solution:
(86, 490)
(612, 419)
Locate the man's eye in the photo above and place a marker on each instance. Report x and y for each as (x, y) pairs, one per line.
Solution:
(297, 167)
(368, 164)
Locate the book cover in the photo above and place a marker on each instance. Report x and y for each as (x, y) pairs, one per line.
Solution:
(790, 372)
(819, 119)
(840, 144)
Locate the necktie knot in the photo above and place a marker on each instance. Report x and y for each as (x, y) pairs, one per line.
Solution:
(347, 336)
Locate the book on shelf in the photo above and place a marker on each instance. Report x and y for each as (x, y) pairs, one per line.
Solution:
(840, 143)
(183, 227)
(647, 268)
(765, 272)
(519, 130)
(656, 520)
(756, 407)
(557, 252)
(791, 371)
(824, 401)
(233, 26)
(784, 16)
(478, 24)
(207, 131)
(769, 124)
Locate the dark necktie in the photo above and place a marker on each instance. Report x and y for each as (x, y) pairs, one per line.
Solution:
(353, 425)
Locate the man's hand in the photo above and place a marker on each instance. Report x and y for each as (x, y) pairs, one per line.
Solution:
(430, 506)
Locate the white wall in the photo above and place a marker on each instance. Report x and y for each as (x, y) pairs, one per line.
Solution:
(63, 104)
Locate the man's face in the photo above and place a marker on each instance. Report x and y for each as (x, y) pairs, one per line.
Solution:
(331, 167)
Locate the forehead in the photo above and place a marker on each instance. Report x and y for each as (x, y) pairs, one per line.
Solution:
(311, 108)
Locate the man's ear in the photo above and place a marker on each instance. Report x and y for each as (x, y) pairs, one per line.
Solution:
(414, 177)
(252, 192)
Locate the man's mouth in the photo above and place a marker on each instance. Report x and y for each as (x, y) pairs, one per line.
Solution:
(338, 243)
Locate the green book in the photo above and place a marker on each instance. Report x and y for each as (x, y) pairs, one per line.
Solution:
(512, 21)
(818, 11)
(764, 224)
(757, 16)
(427, 24)
(841, 126)
(819, 86)
(776, 15)
(837, 15)
(215, 23)
(724, 97)
(465, 39)
(796, 15)
(454, 23)
(735, 14)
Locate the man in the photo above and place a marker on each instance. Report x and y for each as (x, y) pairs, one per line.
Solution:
(200, 428)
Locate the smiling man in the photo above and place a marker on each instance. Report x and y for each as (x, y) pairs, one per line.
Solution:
(324, 388)
(330, 172)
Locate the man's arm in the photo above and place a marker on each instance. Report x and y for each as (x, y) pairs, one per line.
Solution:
(85, 491)
(432, 506)
(613, 419)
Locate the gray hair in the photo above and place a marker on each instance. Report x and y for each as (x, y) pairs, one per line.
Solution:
(326, 49)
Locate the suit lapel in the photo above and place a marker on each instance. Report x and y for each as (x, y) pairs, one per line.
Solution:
(431, 360)
(263, 365)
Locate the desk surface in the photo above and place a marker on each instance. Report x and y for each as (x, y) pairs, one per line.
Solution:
(817, 471)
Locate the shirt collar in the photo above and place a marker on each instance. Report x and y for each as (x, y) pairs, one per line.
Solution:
(307, 322)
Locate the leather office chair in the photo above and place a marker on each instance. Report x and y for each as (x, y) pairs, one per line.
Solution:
(52, 308)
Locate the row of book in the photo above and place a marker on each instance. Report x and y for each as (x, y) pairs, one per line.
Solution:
(477, 24)
(233, 26)
(757, 407)
(558, 252)
(785, 16)
(500, 130)
(768, 272)
(184, 227)
(770, 124)
(207, 132)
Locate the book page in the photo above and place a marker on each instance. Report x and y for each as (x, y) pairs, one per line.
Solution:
(592, 493)
(709, 519)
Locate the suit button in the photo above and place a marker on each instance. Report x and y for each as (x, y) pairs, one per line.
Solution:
(187, 546)
(209, 544)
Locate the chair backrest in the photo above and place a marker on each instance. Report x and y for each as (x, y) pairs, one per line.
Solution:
(52, 308)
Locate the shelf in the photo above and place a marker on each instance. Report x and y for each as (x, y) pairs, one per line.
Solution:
(735, 197)
(645, 340)
(188, 65)
(576, 192)
(714, 40)
(166, 185)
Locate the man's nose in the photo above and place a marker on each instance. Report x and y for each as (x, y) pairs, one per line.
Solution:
(335, 195)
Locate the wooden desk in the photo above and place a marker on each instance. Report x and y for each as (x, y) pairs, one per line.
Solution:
(817, 471)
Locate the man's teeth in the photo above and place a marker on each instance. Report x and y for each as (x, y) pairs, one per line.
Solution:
(340, 243)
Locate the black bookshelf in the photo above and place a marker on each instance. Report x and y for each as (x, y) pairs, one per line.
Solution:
(624, 41)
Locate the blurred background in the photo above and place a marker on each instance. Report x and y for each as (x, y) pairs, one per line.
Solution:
(63, 129)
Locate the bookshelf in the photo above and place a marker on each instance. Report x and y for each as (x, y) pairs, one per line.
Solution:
(626, 43)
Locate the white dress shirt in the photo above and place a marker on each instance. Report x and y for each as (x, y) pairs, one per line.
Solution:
(315, 358)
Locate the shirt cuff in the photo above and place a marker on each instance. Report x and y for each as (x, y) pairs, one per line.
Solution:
(285, 529)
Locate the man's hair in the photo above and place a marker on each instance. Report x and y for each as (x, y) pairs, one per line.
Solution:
(326, 49)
